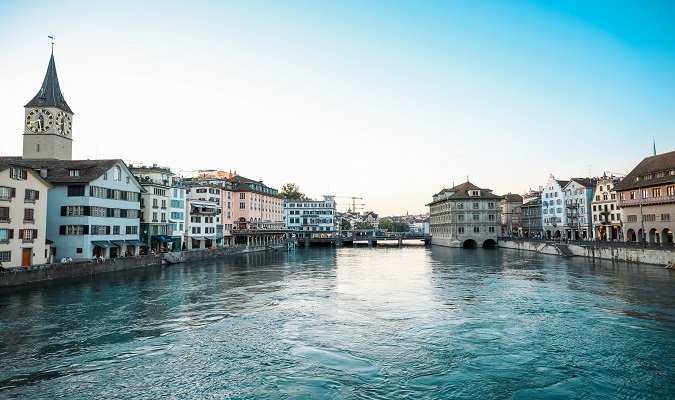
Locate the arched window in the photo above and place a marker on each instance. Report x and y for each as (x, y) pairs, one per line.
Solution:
(117, 173)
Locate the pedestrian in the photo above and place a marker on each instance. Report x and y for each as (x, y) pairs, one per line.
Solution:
(2, 269)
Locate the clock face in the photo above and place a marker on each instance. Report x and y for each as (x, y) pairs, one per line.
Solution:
(39, 120)
(64, 123)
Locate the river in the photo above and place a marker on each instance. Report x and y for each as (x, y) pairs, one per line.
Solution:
(320, 323)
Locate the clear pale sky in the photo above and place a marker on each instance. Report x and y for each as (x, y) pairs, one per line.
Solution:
(386, 100)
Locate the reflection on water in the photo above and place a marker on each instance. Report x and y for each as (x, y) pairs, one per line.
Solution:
(348, 323)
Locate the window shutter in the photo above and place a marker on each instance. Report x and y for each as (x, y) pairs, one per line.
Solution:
(85, 230)
(20, 233)
(35, 233)
(37, 195)
(62, 230)
(63, 212)
(107, 230)
(11, 233)
(87, 210)
(13, 192)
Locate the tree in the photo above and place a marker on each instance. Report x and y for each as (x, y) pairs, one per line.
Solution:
(364, 225)
(346, 225)
(291, 191)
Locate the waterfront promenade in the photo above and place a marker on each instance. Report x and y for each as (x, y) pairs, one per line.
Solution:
(657, 254)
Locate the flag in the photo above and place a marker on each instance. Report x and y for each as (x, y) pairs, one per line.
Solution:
(51, 37)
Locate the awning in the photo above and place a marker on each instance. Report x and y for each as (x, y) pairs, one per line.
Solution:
(119, 242)
(102, 243)
(162, 238)
(135, 243)
(196, 238)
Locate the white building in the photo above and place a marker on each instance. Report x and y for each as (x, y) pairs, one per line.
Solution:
(311, 219)
(203, 216)
(606, 210)
(578, 217)
(23, 216)
(553, 212)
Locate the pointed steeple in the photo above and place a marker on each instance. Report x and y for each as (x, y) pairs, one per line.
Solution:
(50, 94)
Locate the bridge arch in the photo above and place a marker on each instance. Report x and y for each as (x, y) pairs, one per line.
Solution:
(489, 244)
(469, 244)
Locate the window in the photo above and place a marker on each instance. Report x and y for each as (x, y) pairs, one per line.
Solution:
(644, 193)
(117, 173)
(476, 217)
(27, 235)
(475, 205)
(154, 203)
(132, 230)
(76, 190)
(242, 196)
(5, 256)
(28, 215)
(73, 172)
(116, 230)
(632, 218)
(6, 193)
(476, 229)
(105, 176)
(656, 192)
(665, 217)
(491, 229)
(5, 235)
(460, 229)
(4, 214)
(18, 174)
(31, 195)
(242, 205)
(670, 191)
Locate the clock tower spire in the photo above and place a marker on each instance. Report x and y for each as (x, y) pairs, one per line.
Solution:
(48, 124)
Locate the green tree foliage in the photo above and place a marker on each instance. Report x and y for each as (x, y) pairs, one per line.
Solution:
(346, 225)
(393, 226)
(291, 191)
(364, 225)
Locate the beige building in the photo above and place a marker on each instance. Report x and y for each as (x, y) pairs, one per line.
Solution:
(464, 216)
(511, 214)
(606, 211)
(647, 200)
(23, 216)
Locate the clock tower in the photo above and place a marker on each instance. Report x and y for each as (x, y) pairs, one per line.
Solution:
(48, 125)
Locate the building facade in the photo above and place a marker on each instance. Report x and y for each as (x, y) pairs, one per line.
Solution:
(23, 217)
(553, 211)
(464, 215)
(531, 218)
(511, 214)
(311, 219)
(203, 215)
(647, 200)
(606, 210)
(578, 195)
(256, 205)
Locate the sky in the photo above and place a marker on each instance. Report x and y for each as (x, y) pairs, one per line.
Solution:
(390, 101)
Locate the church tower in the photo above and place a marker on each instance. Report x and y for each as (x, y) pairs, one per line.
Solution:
(48, 125)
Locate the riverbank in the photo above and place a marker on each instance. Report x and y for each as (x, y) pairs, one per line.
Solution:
(48, 272)
(656, 256)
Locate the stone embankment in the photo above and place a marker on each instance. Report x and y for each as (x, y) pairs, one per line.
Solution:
(609, 251)
(37, 273)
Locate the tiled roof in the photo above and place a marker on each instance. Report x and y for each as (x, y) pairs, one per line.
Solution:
(660, 163)
(239, 184)
(461, 192)
(585, 182)
(513, 198)
(50, 94)
(58, 171)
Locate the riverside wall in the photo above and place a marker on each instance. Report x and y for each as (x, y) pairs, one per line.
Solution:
(595, 250)
(48, 272)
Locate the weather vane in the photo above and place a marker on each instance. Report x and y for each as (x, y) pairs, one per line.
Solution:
(52, 38)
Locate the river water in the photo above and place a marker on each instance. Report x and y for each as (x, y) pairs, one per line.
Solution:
(322, 323)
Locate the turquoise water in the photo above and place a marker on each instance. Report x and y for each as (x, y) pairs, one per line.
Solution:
(418, 323)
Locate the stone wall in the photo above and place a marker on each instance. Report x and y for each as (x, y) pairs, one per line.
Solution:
(596, 250)
(20, 276)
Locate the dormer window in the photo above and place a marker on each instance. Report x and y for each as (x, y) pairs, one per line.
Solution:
(73, 172)
(18, 174)
(117, 173)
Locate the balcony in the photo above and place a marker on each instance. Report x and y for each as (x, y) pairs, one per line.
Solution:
(647, 201)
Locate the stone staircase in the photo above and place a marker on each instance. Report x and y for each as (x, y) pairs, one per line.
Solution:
(564, 250)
